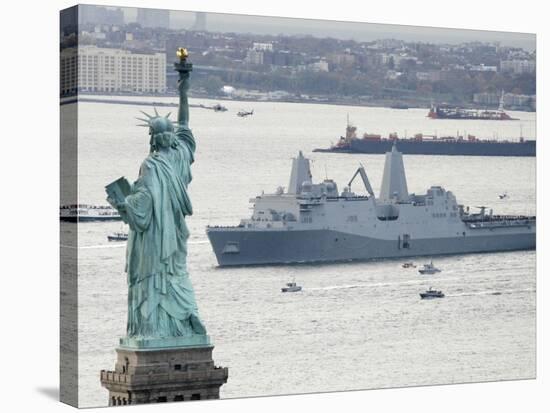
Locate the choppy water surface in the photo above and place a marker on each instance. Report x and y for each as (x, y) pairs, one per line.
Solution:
(354, 325)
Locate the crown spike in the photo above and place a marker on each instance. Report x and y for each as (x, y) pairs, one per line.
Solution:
(143, 120)
(156, 113)
(146, 114)
(168, 115)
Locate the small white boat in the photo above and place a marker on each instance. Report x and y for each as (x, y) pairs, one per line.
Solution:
(118, 236)
(85, 213)
(429, 268)
(291, 288)
(408, 265)
(432, 294)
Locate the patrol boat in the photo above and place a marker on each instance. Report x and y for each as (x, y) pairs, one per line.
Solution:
(429, 268)
(314, 222)
(432, 294)
(291, 287)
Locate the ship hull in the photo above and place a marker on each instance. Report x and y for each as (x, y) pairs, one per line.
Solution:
(425, 147)
(239, 247)
(468, 117)
(89, 219)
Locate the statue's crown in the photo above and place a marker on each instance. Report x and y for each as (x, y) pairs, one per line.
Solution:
(157, 123)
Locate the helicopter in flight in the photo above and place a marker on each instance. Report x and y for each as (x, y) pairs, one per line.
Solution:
(245, 113)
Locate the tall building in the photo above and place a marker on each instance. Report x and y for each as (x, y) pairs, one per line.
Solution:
(200, 22)
(112, 70)
(153, 17)
(88, 14)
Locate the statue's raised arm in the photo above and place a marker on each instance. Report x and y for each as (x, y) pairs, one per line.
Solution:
(183, 132)
(184, 69)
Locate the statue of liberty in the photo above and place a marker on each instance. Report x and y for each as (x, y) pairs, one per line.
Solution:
(162, 311)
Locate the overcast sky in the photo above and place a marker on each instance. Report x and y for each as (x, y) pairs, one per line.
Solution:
(343, 30)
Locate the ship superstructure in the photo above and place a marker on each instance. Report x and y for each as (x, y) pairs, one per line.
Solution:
(449, 112)
(315, 222)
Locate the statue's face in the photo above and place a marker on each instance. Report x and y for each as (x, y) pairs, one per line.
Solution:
(151, 140)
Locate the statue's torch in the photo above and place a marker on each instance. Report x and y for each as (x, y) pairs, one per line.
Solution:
(184, 69)
(182, 66)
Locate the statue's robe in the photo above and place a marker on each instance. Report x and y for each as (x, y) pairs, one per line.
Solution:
(161, 299)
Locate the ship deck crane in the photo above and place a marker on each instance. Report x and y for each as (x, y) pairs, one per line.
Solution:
(361, 171)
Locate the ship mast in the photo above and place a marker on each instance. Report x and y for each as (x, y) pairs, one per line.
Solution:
(501, 103)
(394, 181)
(521, 132)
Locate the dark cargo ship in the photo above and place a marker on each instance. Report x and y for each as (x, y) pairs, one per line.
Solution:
(430, 145)
(450, 112)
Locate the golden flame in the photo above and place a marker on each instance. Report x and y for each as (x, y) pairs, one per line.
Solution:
(182, 53)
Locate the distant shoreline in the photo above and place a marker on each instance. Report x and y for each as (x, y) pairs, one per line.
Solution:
(90, 97)
(99, 98)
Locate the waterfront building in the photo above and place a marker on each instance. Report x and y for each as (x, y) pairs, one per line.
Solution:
(510, 100)
(112, 70)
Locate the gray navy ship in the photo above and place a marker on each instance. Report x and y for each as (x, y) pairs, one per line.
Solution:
(314, 222)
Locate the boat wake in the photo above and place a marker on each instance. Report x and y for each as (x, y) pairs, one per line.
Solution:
(115, 245)
(374, 285)
(492, 292)
(89, 247)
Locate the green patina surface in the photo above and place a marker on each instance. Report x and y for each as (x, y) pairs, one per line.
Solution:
(162, 311)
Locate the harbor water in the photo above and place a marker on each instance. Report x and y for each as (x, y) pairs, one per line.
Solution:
(355, 325)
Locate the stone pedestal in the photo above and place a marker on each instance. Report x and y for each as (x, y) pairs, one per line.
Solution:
(163, 375)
